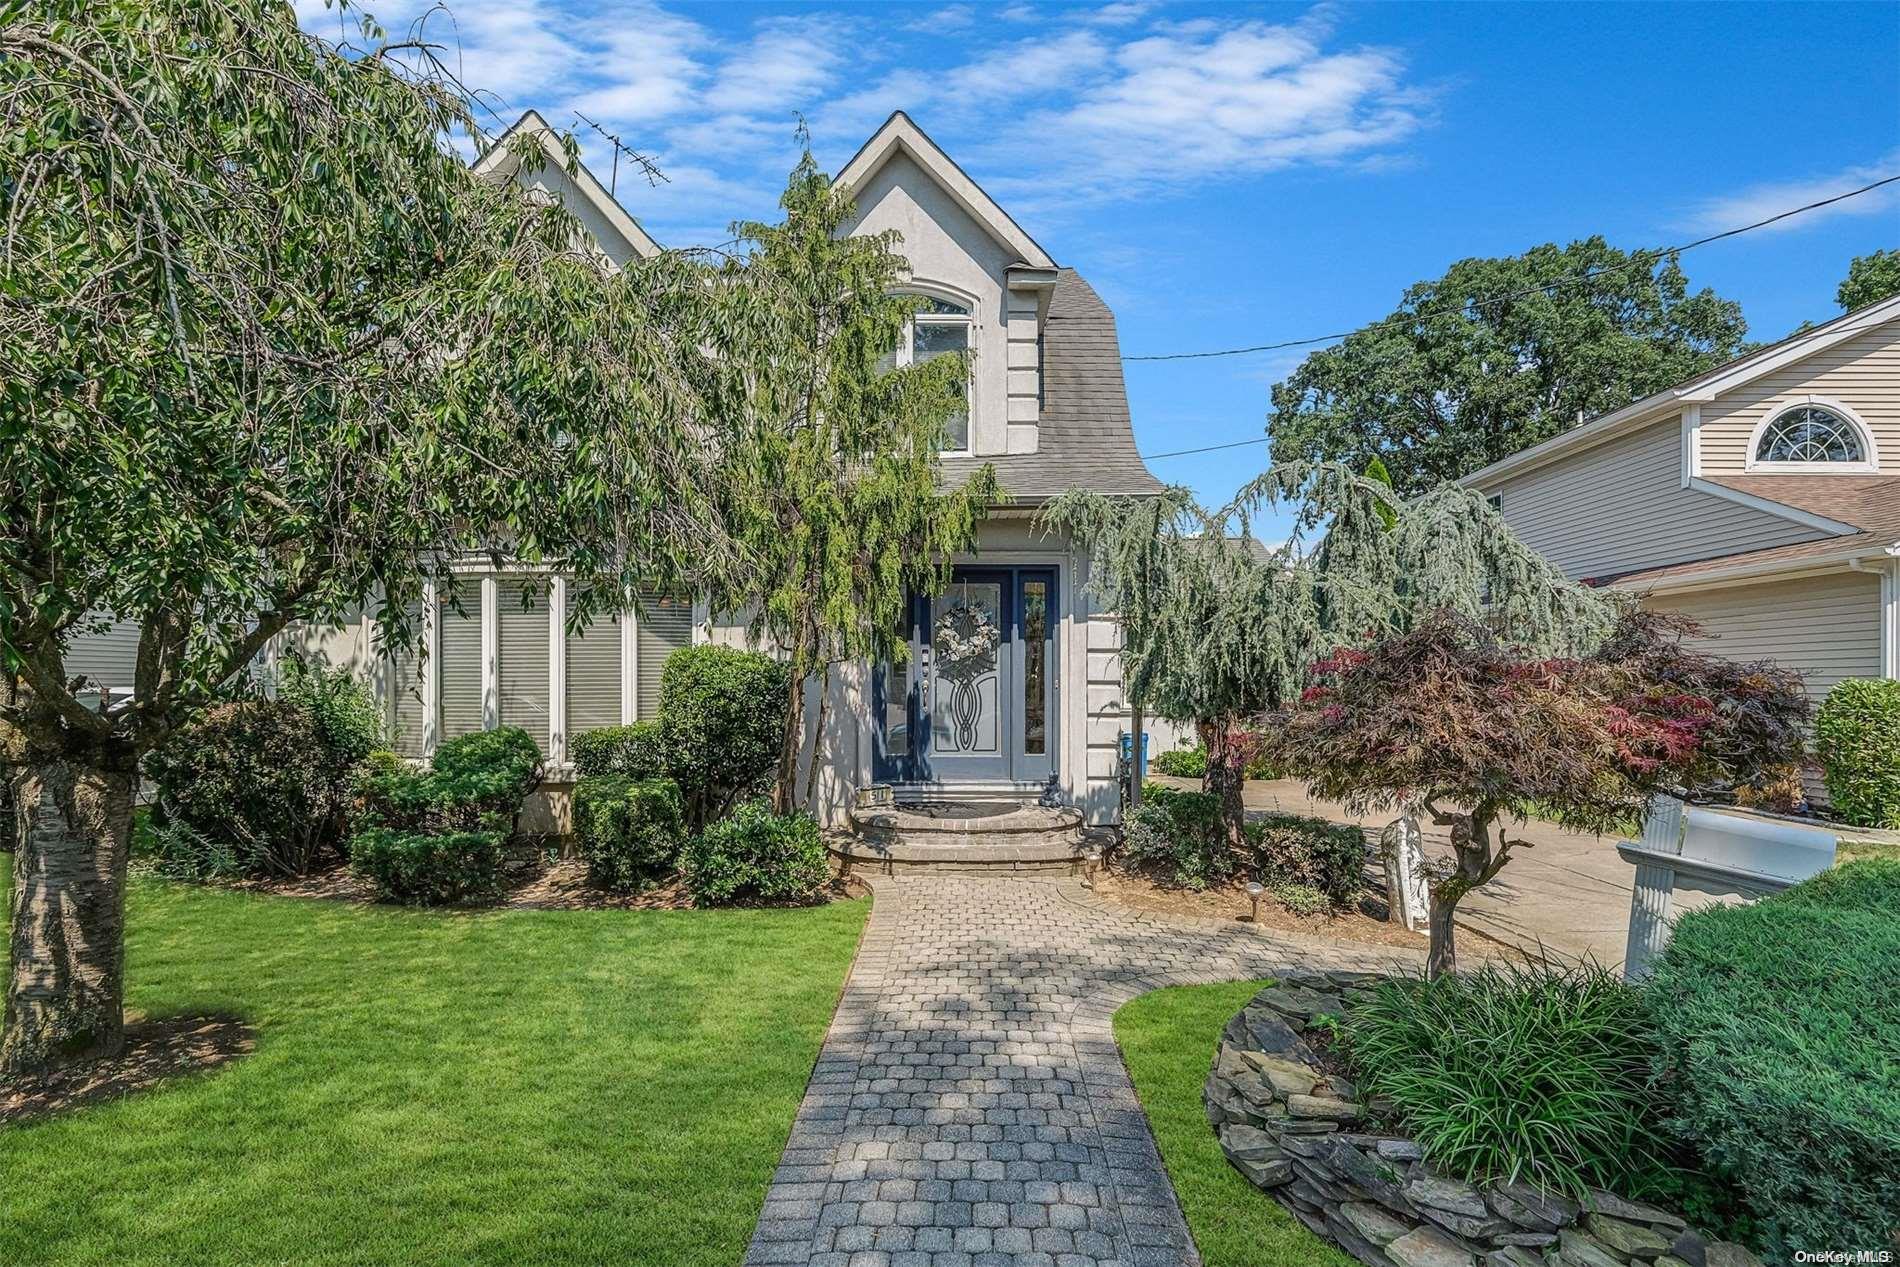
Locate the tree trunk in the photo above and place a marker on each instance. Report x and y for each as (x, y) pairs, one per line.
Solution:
(785, 791)
(818, 739)
(1135, 720)
(1442, 957)
(66, 988)
(1226, 776)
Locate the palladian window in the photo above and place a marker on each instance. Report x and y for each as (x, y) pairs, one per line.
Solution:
(1808, 434)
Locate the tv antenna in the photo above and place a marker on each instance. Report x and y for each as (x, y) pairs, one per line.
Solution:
(647, 166)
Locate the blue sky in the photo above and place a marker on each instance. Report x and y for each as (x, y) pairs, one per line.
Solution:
(1247, 173)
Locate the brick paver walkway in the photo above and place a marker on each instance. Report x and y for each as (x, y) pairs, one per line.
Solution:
(970, 1106)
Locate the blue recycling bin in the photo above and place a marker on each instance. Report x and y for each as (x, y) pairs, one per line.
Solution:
(1128, 746)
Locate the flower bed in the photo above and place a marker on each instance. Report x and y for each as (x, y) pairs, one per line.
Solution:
(1295, 1129)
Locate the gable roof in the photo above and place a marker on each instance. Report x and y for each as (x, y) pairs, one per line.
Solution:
(501, 160)
(1700, 389)
(900, 134)
(1085, 436)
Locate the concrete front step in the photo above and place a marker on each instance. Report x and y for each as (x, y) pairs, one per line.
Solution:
(964, 835)
(1038, 853)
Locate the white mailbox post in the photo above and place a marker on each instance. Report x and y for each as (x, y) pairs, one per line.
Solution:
(1709, 851)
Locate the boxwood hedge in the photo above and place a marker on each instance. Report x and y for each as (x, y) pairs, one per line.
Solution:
(1780, 1044)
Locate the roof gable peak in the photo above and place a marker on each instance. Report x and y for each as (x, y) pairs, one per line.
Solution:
(900, 134)
(500, 159)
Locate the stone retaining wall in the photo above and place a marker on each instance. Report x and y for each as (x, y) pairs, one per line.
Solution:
(1302, 1136)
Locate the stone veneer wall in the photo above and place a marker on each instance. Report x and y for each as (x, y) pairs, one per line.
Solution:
(1290, 1128)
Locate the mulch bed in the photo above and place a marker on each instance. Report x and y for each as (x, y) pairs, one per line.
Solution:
(561, 886)
(154, 1051)
(1144, 890)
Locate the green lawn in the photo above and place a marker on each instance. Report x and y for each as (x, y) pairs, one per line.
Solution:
(521, 1087)
(1168, 1040)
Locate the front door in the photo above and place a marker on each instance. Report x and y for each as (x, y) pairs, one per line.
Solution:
(976, 702)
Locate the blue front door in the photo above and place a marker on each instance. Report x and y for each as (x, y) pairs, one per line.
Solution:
(976, 700)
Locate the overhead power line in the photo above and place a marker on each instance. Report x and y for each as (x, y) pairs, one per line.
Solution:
(1643, 258)
(1181, 453)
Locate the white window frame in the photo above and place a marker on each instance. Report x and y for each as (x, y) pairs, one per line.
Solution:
(1869, 466)
(906, 351)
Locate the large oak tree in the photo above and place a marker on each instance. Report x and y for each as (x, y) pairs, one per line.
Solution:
(1470, 368)
(270, 350)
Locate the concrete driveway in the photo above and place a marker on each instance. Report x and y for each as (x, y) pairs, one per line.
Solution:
(1566, 897)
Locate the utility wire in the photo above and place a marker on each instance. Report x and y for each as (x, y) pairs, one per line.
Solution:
(1181, 453)
(1644, 258)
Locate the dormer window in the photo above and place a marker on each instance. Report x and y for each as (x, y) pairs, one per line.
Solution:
(1811, 435)
(941, 327)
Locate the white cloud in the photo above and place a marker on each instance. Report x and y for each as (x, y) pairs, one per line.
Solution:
(1119, 14)
(1107, 103)
(1771, 198)
(785, 65)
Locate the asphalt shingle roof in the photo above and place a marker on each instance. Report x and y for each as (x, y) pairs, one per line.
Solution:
(1086, 438)
(1868, 502)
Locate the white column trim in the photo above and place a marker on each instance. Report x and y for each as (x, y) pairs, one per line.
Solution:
(431, 647)
(1890, 620)
(1691, 443)
(491, 652)
(557, 670)
(629, 666)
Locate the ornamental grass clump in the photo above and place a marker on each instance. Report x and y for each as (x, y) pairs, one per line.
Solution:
(1509, 1073)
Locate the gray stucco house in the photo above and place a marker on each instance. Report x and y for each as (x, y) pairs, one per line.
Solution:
(1043, 713)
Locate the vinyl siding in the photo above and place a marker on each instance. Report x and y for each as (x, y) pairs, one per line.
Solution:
(663, 626)
(1621, 506)
(1862, 373)
(1824, 627)
(593, 676)
(523, 671)
(106, 657)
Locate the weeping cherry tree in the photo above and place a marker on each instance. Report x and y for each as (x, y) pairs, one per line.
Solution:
(269, 350)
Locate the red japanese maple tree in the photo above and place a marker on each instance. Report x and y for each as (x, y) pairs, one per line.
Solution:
(1451, 718)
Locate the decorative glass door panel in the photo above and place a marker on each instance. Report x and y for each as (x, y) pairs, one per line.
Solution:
(969, 665)
(978, 699)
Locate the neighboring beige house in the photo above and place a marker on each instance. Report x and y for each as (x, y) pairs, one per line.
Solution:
(1761, 498)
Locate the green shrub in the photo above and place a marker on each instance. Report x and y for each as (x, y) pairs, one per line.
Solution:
(1869, 885)
(1191, 763)
(1857, 737)
(1517, 1073)
(1778, 1026)
(721, 718)
(634, 751)
(756, 856)
(347, 718)
(1181, 832)
(247, 789)
(1302, 899)
(435, 836)
(1181, 763)
(1291, 849)
(477, 782)
(628, 831)
(420, 868)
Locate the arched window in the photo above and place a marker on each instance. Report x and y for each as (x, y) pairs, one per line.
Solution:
(1809, 435)
(941, 326)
